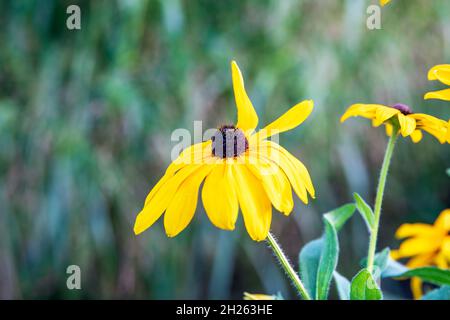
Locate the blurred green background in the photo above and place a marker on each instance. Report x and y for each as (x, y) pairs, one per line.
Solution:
(86, 118)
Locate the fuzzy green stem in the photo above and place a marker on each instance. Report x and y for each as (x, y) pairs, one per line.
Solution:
(293, 276)
(379, 200)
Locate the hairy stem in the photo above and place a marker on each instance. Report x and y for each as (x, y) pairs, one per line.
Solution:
(379, 200)
(293, 276)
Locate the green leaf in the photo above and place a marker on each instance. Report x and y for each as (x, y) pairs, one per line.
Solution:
(393, 268)
(365, 210)
(338, 217)
(309, 262)
(342, 285)
(380, 262)
(318, 259)
(364, 287)
(442, 293)
(328, 260)
(429, 274)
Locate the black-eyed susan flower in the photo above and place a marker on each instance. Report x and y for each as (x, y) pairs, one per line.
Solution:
(440, 73)
(425, 245)
(239, 168)
(409, 124)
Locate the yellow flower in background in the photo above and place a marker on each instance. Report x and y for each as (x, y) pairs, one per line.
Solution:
(239, 168)
(427, 245)
(441, 73)
(258, 296)
(384, 2)
(410, 124)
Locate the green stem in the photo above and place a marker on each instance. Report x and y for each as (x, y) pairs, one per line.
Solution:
(379, 200)
(293, 276)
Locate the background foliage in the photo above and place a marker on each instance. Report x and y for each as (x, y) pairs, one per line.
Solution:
(86, 118)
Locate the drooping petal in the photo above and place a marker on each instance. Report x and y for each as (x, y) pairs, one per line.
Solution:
(421, 260)
(296, 171)
(246, 114)
(443, 221)
(384, 113)
(194, 154)
(432, 73)
(389, 129)
(254, 203)
(407, 124)
(289, 120)
(416, 136)
(161, 199)
(275, 183)
(440, 95)
(434, 126)
(416, 288)
(419, 245)
(414, 229)
(182, 207)
(219, 197)
(441, 261)
(361, 110)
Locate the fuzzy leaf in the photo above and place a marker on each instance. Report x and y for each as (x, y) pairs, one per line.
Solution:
(442, 293)
(318, 259)
(342, 285)
(364, 287)
(365, 210)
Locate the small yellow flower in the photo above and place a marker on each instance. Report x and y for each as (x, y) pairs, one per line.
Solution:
(239, 168)
(409, 123)
(258, 296)
(427, 245)
(384, 2)
(441, 73)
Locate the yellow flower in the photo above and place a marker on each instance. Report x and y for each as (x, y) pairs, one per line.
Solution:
(384, 2)
(258, 296)
(239, 168)
(409, 123)
(442, 73)
(427, 245)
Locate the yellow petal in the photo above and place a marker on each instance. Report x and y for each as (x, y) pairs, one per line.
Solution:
(421, 260)
(361, 110)
(275, 183)
(384, 113)
(419, 245)
(443, 221)
(219, 197)
(416, 287)
(246, 114)
(254, 203)
(194, 154)
(289, 120)
(445, 250)
(434, 126)
(416, 136)
(296, 171)
(182, 207)
(389, 129)
(432, 73)
(384, 2)
(407, 124)
(155, 207)
(414, 229)
(440, 95)
(440, 260)
(257, 296)
(443, 75)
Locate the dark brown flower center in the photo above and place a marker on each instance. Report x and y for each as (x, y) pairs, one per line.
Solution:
(228, 141)
(403, 108)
